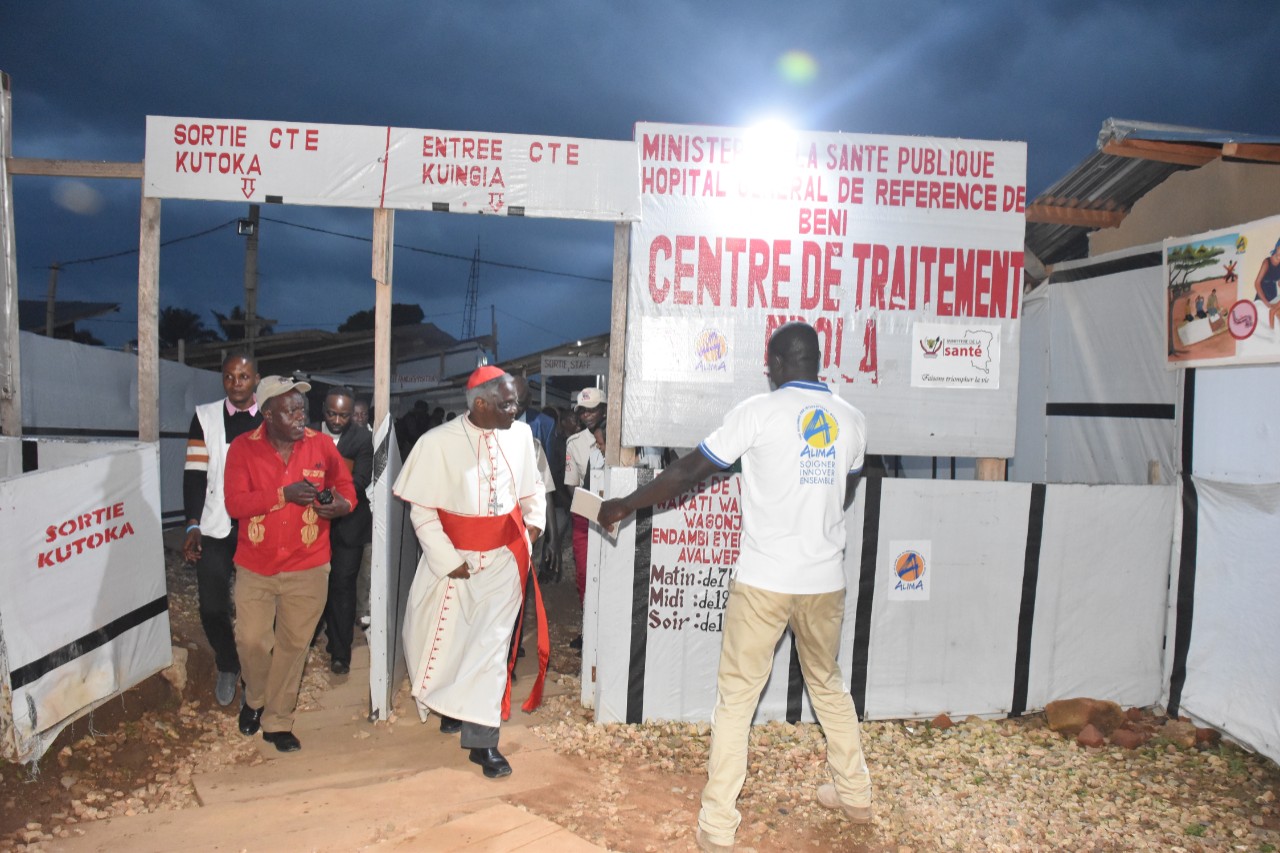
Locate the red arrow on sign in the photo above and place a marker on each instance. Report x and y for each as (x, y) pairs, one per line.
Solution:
(246, 186)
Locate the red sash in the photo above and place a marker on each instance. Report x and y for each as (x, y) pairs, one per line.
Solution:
(486, 533)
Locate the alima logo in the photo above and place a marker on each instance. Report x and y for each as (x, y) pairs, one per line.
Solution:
(818, 428)
(931, 346)
(712, 348)
(909, 566)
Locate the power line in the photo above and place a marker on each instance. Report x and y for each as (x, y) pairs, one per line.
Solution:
(535, 325)
(134, 251)
(438, 254)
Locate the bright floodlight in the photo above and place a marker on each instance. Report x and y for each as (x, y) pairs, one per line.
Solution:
(768, 160)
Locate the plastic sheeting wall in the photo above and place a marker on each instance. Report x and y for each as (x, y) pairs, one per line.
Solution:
(85, 613)
(1096, 403)
(70, 389)
(1025, 588)
(1223, 627)
(395, 560)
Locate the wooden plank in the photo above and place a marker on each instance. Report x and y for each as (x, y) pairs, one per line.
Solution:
(1055, 215)
(10, 368)
(149, 321)
(617, 340)
(1163, 152)
(383, 253)
(988, 468)
(1258, 153)
(73, 168)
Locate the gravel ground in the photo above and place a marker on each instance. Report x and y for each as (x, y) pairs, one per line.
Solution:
(980, 785)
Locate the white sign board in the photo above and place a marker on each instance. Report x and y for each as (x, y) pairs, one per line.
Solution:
(390, 167)
(861, 236)
(574, 365)
(85, 614)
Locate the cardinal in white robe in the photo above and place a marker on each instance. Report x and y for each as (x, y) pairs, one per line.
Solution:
(477, 505)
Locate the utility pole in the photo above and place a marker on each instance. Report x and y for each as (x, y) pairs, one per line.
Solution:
(250, 230)
(493, 331)
(51, 300)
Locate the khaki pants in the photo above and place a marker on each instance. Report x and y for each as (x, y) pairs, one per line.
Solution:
(276, 618)
(753, 623)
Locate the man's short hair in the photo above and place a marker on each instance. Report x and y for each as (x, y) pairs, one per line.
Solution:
(241, 354)
(485, 390)
(341, 391)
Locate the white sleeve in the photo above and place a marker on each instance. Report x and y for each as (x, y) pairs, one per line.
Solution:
(733, 438)
(442, 557)
(572, 467)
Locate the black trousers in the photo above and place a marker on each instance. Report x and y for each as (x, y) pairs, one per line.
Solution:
(340, 610)
(214, 574)
(476, 736)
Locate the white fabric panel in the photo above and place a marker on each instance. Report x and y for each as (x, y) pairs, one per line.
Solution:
(1233, 673)
(1113, 451)
(82, 550)
(1107, 346)
(10, 456)
(391, 570)
(1100, 597)
(954, 652)
(680, 663)
(72, 387)
(1031, 450)
(1237, 424)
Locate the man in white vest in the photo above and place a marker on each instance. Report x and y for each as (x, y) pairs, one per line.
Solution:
(477, 505)
(802, 451)
(210, 542)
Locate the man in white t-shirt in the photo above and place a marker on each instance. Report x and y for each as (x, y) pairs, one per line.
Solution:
(802, 453)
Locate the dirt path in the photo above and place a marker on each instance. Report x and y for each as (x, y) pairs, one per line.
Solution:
(983, 785)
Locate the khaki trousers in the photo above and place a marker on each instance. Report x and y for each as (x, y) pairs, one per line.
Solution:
(753, 623)
(276, 618)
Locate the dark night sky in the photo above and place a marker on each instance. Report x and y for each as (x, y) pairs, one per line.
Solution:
(86, 74)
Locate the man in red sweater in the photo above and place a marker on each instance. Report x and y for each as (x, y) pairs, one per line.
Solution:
(284, 483)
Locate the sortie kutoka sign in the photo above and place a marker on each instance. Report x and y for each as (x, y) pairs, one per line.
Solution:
(389, 167)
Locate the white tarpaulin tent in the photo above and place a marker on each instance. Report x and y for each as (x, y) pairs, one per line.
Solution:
(74, 390)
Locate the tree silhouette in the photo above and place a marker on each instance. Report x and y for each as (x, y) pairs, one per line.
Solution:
(179, 324)
(1183, 261)
(402, 314)
(232, 324)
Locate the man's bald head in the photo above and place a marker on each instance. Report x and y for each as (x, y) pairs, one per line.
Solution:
(794, 353)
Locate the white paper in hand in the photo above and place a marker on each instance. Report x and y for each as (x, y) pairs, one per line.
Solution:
(588, 505)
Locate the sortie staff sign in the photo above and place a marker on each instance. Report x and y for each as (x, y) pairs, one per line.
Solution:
(388, 167)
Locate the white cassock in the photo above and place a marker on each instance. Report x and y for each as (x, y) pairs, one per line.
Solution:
(457, 631)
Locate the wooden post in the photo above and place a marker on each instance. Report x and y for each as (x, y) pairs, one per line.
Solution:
(251, 282)
(617, 340)
(149, 320)
(10, 368)
(987, 468)
(383, 252)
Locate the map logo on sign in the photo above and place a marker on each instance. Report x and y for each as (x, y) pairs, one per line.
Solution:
(712, 349)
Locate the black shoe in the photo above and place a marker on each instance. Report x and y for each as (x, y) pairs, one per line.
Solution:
(450, 726)
(495, 766)
(576, 643)
(284, 741)
(339, 667)
(250, 719)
